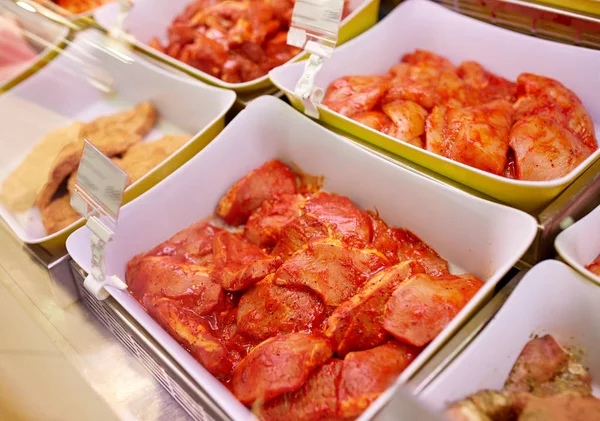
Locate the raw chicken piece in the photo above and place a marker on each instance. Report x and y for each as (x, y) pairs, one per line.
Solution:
(409, 121)
(270, 180)
(421, 307)
(331, 269)
(358, 323)
(278, 365)
(564, 407)
(428, 80)
(351, 95)
(325, 215)
(265, 223)
(268, 310)
(485, 86)
(316, 400)
(366, 374)
(545, 150)
(375, 120)
(238, 263)
(193, 333)
(553, 133)
(476, 136)
(172, 277)
(544, 367)
(193, 243)
(594, 267)
(486, 405)
(413, 83)
(422, 57)
(539, 95)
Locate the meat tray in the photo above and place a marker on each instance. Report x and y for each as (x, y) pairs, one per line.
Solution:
(49, 37)
(60, 94)
(425, 25)
(491, 237)
(579, 244)
(551, 299)
(150, 18)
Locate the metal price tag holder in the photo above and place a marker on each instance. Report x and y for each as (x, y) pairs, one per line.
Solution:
(97, 196)
(315, 26)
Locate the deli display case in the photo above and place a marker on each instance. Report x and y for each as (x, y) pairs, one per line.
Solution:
(372, 247)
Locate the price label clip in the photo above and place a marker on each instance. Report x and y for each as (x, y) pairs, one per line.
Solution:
(97, 196)
(315, 26)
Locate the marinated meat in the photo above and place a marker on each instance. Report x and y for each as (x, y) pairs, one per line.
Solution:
(270, 180)
(171, 277)
(367, 374)
(358, 323)
(477, 136)
(325, 215)
(553, 132)
(485, 86)
(375, 120)
(411, 247)
(408, 119)
(427, 58)
(238, 263)
(316, 400)
(267, 310)
(351, 95)
(278, 365)
(193, 243)
(422, 306)
(193, 333)
(331, 269)
(265, 223)
(564, 407)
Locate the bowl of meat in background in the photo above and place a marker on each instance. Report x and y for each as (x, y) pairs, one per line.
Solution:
(232, 44)
(519, 130)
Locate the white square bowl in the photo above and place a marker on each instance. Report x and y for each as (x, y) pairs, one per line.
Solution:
(60, 94)
(480, 237)
(151, 18)
(579, 245)
(422, 24)
(551, 299)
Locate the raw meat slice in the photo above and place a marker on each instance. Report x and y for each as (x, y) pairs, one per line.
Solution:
(351, 95)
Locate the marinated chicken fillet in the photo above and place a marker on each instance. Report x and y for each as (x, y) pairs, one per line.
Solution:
(278, 365)
(553, 132)
(351, 95)
(484, 86)
(476, 136)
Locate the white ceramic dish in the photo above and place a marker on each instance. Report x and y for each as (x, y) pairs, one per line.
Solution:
(60, 94)
(551, 299)
(579, 245)
(45, 37)
(422, 24)
(491, 237)
(150, 18)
